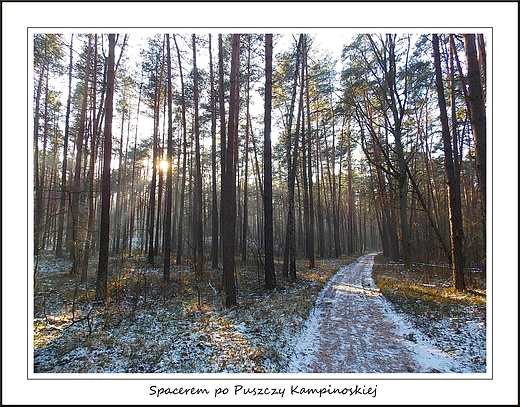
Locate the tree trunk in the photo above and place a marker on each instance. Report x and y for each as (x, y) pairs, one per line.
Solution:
(92, 169)
(455, 209)
(63, 194)
(222, 114)
(76, 188)
(133, 203)
(214, 198)
(351, 209)
(169, 158)
(335, 204)
(104, 237)
(41, 226)
(270, 277)
(180, 239)
(305, 137)
(477, 108)
(310, 233)
(38, 189)
(246, 158)
(198, 243)
(289, 266)
(153, 184)
(229, 185)
(319, 205)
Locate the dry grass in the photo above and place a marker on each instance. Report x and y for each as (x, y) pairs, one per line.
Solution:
(70, 335)
(427, 289)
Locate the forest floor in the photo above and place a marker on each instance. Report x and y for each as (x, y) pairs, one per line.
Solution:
(149, 326)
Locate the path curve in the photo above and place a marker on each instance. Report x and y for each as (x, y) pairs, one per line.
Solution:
(353, 328)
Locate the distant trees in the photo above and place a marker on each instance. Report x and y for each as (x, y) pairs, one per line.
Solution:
(337, 162)
(389, 90)
(47, 61)
(378, 91)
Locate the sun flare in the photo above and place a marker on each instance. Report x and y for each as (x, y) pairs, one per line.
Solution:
(163, 165)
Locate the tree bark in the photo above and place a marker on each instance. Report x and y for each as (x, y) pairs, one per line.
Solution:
(169, 158)
(63, 194)
(180, 239)
(38, 192)
(289, 266)
(222, 117)
(198, 240)
(104, 237)
(153, 184)
(319, 204)
(92, 169)
(229, 185)
(76, 187)
(310, 233)
(455, 207)
(270, 277)
(246, 158)
(214, 197)
(477, 108)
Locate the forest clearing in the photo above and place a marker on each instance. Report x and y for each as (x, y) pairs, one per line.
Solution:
(194, 194)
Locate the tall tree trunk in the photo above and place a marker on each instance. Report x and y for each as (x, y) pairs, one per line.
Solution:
(198, 244)
(319, 204)
(76, 191)
(118, 208)
(197, 217)
(153, 184)
(310, 233)
(169, 158)
(270, 277)
(63, 193)
(292, 180)
(455, 207)
(104, 237)
(222, 116)
(477, 108)
(229, 186)
(305, 152)
(133, 203)
(289, 265)
(351, 209)
(332, 174)
(180, 239)
(214, 197)
(246, 158)
(92, 169)
(38, 189)
(43, 171)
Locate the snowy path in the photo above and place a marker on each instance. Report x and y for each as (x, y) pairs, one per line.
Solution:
(354, 329)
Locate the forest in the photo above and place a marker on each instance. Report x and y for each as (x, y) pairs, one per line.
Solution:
(194, 155)
(209, 150)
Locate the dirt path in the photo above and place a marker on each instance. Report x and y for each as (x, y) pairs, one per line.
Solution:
(354, 329)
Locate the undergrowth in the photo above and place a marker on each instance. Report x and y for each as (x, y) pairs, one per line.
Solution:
(427, 290)
(149, 325)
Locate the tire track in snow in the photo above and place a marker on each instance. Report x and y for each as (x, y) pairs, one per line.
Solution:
(353, 328)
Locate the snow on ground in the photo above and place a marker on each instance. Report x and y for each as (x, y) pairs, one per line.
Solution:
(353, 328)
(153, 331)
